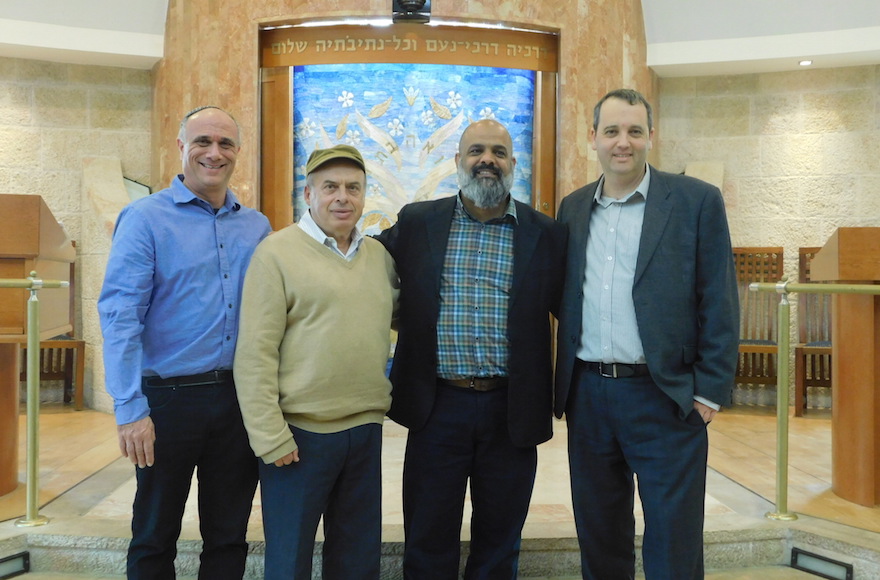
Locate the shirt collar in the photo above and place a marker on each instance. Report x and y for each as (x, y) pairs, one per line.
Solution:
(641, 188)
(308, 225)
(182, 194)
(510, 210)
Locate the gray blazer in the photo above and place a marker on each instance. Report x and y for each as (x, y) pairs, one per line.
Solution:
(684, 291)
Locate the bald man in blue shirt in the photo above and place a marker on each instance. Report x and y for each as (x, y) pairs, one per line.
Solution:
(169, 315)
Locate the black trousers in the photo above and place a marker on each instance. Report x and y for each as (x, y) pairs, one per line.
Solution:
(197, 428)
(466, 438)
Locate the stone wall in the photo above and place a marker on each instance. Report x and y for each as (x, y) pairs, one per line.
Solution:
(52, 117)
(801, 150)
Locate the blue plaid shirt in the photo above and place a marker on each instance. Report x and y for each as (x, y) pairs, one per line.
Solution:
(474, 292)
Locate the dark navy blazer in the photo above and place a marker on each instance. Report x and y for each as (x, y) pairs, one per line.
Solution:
(684, 290)
(418, 244)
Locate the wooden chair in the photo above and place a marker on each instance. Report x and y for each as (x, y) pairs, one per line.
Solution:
(758, 310)
(812, 354)
(61, 359)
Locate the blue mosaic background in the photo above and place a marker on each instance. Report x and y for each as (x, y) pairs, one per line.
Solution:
(406, 119)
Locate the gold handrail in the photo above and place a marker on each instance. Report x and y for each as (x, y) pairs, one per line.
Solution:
(34, 284)
(783, 288)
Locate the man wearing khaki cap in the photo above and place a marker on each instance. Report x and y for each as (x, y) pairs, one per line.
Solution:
(310, 376)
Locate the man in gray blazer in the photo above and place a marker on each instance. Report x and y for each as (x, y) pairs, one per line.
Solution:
(647, 348)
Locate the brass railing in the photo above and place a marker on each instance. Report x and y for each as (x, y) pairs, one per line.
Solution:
(32, 511)
(783, 288)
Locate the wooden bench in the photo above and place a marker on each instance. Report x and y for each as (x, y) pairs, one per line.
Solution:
(61, 359)
(812, 354)
(758, 314)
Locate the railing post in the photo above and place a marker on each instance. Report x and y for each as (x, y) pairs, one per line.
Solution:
(32, 514)
(783, 373)
(782, 380)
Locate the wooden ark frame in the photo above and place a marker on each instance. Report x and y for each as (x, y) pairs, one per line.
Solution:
(283, 48)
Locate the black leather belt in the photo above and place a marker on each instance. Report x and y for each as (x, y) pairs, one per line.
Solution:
(209, 378)
(476, 383)
(615, 370)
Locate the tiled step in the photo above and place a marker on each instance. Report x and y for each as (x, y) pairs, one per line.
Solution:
(754, 554)
(764, 573)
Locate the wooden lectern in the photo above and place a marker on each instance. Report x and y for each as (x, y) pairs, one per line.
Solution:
(852, 255)
(30, 240)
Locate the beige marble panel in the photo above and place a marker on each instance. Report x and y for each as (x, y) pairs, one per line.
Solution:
(852, 153)
(729, 116)
(726, 85)
(19, 147)
(816, 79)
(15, 105)
(777, 114)
(109, 76)
(116, 110)
(63, 147)
(838, 111)
(38, 71)
(787, 155)
(61, 106)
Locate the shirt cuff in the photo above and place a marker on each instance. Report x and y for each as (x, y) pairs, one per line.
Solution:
(131, 410)
(708, 403)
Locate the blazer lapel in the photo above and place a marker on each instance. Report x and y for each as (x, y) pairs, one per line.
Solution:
(437, 225)
(658, 208)
(579, 228)
(525, 240)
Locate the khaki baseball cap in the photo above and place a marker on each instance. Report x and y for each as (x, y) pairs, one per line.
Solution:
(321, 156)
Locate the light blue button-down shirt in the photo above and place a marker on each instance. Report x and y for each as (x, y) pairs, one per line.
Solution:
(610, 330)
(170, 301)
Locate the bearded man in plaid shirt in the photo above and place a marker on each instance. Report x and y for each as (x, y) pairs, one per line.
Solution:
(480, 274)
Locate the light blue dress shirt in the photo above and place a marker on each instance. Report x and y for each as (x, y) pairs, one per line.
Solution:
(170, 301)
(610, 330)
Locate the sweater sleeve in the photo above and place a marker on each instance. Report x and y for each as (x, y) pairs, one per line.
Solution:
(261, 330)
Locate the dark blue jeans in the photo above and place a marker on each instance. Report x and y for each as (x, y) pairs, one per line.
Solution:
(197, 427)
(339, 477)
(466, 438)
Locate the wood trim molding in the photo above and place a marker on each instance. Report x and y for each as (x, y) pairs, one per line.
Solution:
(409, 43)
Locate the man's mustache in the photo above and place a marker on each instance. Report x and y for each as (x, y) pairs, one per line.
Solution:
(485, 167)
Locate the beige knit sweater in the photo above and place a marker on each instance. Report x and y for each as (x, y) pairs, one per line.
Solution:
(313, 340)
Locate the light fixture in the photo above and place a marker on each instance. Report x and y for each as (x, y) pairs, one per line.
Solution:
(805, 62)
(820, 565)
(15, 565)
(416, 11)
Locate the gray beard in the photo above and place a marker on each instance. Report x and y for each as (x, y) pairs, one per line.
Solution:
(484, 192)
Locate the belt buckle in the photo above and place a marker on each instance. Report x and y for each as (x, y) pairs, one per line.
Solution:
(604, 373)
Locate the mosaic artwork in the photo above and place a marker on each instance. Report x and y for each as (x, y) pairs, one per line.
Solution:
(406, 119)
